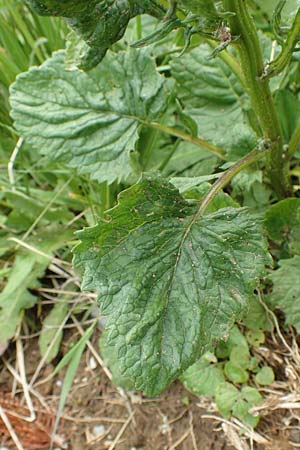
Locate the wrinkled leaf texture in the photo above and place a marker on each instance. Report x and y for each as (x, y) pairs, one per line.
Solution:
(99, 23)
(170, 284)
(89, 120)
(211, 95)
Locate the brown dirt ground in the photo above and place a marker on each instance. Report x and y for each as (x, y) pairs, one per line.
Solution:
(98, 416)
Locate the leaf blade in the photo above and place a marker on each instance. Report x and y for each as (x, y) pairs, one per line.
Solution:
(90, 121)
(164, 282)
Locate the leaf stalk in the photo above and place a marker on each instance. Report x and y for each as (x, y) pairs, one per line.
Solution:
(249, 159)
(187, 137)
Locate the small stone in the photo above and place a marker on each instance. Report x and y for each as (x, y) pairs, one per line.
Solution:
(98, 430)
(92, 363)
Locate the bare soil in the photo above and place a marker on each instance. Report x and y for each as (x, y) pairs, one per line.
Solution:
(98, 416)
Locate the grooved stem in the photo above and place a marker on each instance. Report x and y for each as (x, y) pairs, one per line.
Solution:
(251, 61)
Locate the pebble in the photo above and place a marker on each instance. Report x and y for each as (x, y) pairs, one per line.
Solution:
(92, 363)
(98, 430)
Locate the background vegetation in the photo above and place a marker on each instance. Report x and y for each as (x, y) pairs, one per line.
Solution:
(43, 203)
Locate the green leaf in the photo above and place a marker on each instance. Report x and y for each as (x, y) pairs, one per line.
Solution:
(231, 401)
(255, 338)
(286, 290)
(90, 121)
(226, 396)
(282, 221)
(72, 358)
(27, 269)
(213, 97)
(235, 368)
(189, 160)
(240, 356)
(50, 334)
(248, 398)
(25, 210)
(235, 373)
(204, 8)
(288, 108)
(197, 188)
(257, 317)
(235, 339)
(265, 376)
(268, 6)
(100, 24)
(170, 283)
(203, 377)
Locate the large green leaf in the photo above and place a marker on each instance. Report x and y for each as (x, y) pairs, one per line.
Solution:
(89, 120)
(170, 283)
(286, 290)
(214, 98)
(101, 24)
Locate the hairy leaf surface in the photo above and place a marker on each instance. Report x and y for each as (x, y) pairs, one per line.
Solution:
(170, 284)
(89, 120)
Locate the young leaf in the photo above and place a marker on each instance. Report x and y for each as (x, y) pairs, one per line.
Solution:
(235, 339)
(286, 290)
(265, 376)
(170, 283)
(100, 24)
(203, 378)
(257, 317)
(89, 120)
(231, 401)
(235, 373)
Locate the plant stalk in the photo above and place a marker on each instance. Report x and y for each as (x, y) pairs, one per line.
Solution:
(283, 60)
(187, 137)
(252, 66)
(249, 159)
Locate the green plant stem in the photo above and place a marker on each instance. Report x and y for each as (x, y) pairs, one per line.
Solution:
(188, 137)
(230, 61)
(138, 22)
(249, 159)
(252, 66)
(284, 59)
(294, 144)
